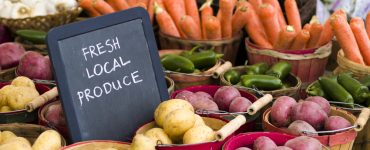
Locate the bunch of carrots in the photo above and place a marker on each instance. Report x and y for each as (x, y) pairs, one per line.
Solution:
(352, 37)
(96, 8)
(182, 18)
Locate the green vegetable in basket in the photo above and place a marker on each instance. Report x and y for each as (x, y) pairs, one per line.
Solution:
(366, 81)
(177, 63)
(357, 90)
(262, 82)
(259, 68)
(34, 36)
(202, 59)
(335, 91)
(232, 76)
(280, 69)
(316, 90)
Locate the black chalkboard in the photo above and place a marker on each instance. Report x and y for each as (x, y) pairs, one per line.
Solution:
(108, 74)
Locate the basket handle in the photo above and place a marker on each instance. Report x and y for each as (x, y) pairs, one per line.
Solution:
(223, 68)
(362, 119)
(42, 99)
(230, 127)
(260, 103)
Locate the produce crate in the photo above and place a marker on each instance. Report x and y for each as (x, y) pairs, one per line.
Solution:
(98, 144)
(345, 65)
(7, 74)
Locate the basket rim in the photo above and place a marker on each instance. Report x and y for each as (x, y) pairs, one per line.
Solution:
(77, 9)
(343, 61)
(206, 73)
(221, 41)
(93, 141)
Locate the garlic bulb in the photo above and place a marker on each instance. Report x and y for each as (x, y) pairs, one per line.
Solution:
(6, 10)
(64, 5)
(39, 9)
(20, 11)
(30, 3)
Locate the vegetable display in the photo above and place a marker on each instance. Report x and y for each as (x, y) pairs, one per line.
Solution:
(49, 139)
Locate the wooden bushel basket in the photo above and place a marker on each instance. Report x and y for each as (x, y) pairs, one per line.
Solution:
(98, 144)
(228, 47)
(345, 65)
(308, 64)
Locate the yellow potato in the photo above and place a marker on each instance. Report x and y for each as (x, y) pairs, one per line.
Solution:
(5, 135)
(5, 109)
(198, 121)
(141, 142)
(178, 122)
(15, 146)
(48, 140)
(166, 107)
(199, 134)
(20, 96)
(158, 135)
(23, 81)
(17, 140)
(4, 92)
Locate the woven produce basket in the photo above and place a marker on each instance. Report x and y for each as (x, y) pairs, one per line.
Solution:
(339, 141)
(345, 65)
(228, 47)
(170, 85)
(43, 23)
(42, 48)
(308, 65)
(7, 74)
(98, 145)
(29, 131)
(291, 79)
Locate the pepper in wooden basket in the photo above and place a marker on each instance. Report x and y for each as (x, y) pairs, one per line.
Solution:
(263, 82)
(259, 68)
(203, 59)
(336, 91)
(354, 87)
(232, 76)
(177, 63)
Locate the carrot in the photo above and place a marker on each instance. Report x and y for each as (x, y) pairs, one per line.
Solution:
(131, 3)
(255, 3)
(160, 3)
(165, 22)
(346, 38)
(368, 24)
(327, 34)
(176, 9)
(189, 27)
(102, 7)
(212, 27)
(192, 10)
(292, 13)
(146, 2)
(270, 21)
(226, 10)
(300, 40)
(286, 38)
(363, 41)
(307, 27)
(218, 15)
(280, 15)
(255, 28)
(315, 33)
(206, 10)
(118, 5)
(87, 5)
(141, 4)
(151, 10)
(340, 12)
(239, 20)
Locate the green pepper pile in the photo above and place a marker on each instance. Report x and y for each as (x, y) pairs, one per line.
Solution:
(191, 61)
(260, 76)
(342, 88)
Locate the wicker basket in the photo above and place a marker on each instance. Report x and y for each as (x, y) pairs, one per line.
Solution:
(43, 23)
(7, 75)
(228, 47)
(308, 65)
(291, 79)
(170, 85)
(345, 65)
(97, 145)
(29, 131)
(42, 48)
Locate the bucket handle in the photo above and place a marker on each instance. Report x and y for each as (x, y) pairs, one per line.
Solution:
(260, 103)
(42, 99)
(221, 69)
(230, 127)
(362, 119)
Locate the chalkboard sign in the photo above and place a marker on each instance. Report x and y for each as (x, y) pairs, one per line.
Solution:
(109, 75)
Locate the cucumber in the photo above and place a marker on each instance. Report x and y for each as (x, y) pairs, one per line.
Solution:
(34, 36)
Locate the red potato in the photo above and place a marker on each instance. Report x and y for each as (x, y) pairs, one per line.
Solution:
(35, 66)
(55, 115)
(282, 148)
(324, 103)
(186, 95)
(239, 104)
(281, 111)
(204, 104)
(264, 143)
(224, 96)
(204, 95)
(243, 148)
(10, 54)
(304, 143)
(310, 112)
(336, 122)
(298, 126)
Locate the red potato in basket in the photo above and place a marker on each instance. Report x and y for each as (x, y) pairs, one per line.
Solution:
(281, 111)
(304, 143)
(282, 148)
(204, 95)
(240, 104)
(310, 112)
(224, 96)
(204, 104)
(10, 54)
(325, 105)
(298, 126)
(243, 148)
(187, 95)
(336, 122)
(35, 66)
(264, 143)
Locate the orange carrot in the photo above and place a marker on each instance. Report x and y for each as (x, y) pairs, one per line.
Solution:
(363, 41)
(239, 20)
(140, 4)
(270, 21)
(118, 5)
(307, 27)
(286, 38)
(192, 10)
(346, 38)
(176, 9)
(226, 10)
(315, 33)
(255, 28)
(131, 3)
(88, 6)
(218, 15)
(292, 13)
(340, 12)
(280, 15)
(327, 34)
(300, 40)
(102, 7)
(212, 27)
(146, 2)
(165, 22)
(206, 10)
(255, 3)
(151, 10)
(368, 24)
(160, 3)
(189, 27)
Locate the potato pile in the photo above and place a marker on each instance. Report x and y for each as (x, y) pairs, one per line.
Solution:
(311, 115)
(48, 140)
(16, 95)
(176, 124)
